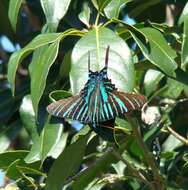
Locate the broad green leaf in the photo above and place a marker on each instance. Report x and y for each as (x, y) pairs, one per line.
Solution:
(123, 125)
(17, 57)
(65, 66)
(51, 135)
(120, 66)
(184, 53)
(52, 140)
(66, 164)
(119, 167)
(84, 16)
(157, 50)
(29, 170)
(8, 157)
(12, 172)
(41, 69)
(46, 144)
(171, 143)
(27, 114)
(173, 89)
(113, 9)
(58, 147)
(151, 81)
(93, 171)
(184, 14)
(34, 154)
(100, 4)
(14, 7)
(54, 11)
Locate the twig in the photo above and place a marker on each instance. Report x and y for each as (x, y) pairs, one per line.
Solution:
(179, 137)
(147, 154)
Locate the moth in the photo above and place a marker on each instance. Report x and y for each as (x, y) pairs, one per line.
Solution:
(99, 101)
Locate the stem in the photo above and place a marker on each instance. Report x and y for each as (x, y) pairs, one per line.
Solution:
(97, 19)
(179, 137)
(147, 154)
(132, 169)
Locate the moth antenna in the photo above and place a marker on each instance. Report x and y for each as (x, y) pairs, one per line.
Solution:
(107, 55)
(88, 61)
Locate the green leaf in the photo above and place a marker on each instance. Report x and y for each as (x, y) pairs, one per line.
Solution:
(46, 144)
(184, 54)
(12, 172)
(173, 89)
(113, 9)
(51, 135)
(151, 81)
(17, 57)
(100, 4)
(84, 16)
(14, 6)
(52, 140)
(171, 143)
(54, 11)
(94, 170)
(183, 14)
(158, 52)
(27, 114)
(65, 65)
(41, 69)
(59, 146)
(120, 66)
(66, 164)
(8, 157)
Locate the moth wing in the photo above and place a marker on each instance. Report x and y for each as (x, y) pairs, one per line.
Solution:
(74, 108)
(122, 103)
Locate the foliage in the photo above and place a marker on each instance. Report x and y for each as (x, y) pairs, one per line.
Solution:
(51, 40)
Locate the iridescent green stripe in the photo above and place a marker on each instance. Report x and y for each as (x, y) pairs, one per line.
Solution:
(121, 104)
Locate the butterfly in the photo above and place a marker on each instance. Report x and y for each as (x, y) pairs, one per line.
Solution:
(99, 101)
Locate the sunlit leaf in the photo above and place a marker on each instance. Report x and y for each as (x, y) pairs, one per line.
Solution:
(41, 69)
(113, 9)
(151, 81)
(184, 54)
(157, 50)
(184, 14)
(84, 16)
(54, 11)
(120, 66)
(17, 57)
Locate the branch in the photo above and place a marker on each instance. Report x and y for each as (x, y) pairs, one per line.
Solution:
(132, 169)
(147, 154)
(179, 137)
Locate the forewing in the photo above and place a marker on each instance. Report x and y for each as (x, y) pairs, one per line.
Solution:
(74, 108)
